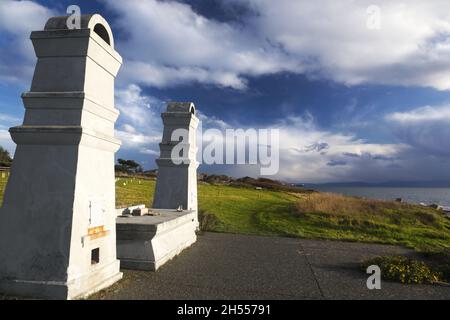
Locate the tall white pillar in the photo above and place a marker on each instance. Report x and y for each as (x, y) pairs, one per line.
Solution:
(176, 184)
(57, 223)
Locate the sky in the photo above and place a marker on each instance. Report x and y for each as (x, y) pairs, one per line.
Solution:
(359, 90)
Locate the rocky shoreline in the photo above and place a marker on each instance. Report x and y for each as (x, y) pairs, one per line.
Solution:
(445, 209)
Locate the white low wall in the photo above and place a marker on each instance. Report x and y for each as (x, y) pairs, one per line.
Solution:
(147, 242)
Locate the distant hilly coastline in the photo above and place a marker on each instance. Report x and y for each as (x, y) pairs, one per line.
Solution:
(386, 184)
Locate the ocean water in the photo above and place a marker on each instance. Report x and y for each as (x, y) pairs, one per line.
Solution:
(439, 196)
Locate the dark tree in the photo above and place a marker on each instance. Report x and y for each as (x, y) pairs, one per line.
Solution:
(5, 158)
(128, 166)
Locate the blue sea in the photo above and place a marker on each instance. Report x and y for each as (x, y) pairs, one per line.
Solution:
(440, 196)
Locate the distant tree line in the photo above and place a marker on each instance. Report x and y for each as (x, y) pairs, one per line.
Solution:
(128, 166)
(5, 158)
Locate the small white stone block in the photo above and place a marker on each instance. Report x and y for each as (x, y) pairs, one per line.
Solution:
(140, 212)
(128, 210)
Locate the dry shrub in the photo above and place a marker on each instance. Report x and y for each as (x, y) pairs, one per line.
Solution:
(339, 204)
(207, 221)
(347, 210)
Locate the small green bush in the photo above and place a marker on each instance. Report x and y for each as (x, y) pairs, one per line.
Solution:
(207, 221)
(404, 270)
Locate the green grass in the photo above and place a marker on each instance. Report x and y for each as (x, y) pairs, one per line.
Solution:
(273, 213)
(316, 225)
(249, 211)
(239, 209)
(3, 181)
(134, 191)
(328, 216)
(236, 208)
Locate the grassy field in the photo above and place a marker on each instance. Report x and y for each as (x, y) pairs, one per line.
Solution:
(236, 208)
(317, 215)
(134, 191)
(331, 216)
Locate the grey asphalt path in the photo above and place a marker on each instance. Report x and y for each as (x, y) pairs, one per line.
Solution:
(227, 266)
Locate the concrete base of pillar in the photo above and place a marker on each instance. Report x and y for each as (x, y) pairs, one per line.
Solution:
(147, 242)
(80, 287)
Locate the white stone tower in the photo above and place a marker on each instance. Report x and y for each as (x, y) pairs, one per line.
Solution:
(57, 223)
(177, 183)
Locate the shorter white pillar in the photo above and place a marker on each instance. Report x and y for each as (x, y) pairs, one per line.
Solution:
(176, 184)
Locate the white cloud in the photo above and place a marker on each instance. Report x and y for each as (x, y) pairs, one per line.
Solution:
(131, 139)
(311, 154)
(168, 43)
(6, 141)
(150, 152)
(9, 118)
(412, 47)
(136, 108)
(159, 76)
(7, 121)
(139, 124)
(211, 121)
(422, 114)
(425, 128)
(17, 20)
(13, 14)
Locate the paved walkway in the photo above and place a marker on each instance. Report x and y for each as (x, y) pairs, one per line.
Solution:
(226, 266)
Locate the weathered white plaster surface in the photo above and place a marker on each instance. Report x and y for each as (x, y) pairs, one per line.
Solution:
(59, 203)
(147, 242)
